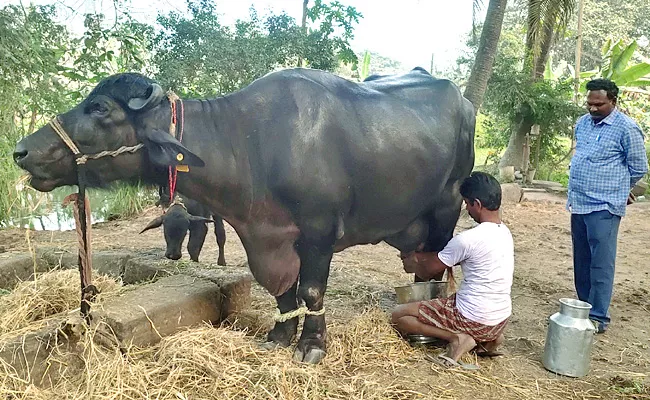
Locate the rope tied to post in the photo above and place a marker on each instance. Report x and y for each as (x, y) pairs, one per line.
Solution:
(88, 290)
(82, 215)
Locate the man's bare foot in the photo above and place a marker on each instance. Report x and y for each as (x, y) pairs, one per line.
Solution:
(461, 344)
(490, 346)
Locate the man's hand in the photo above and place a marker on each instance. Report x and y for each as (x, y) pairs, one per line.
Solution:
(630, 199)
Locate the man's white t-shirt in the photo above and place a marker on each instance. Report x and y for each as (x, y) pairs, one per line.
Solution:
(486, 257)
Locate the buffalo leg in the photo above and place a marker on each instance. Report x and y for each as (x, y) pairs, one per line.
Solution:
(442, 222)
(283, 332)
(315, 265)
(220, 233)
(198, 231)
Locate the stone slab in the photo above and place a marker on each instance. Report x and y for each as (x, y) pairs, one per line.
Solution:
(640, 188)
(128, 266)
(140, 317)
(235, 284)
(547, 184)
(511, 193)
(28, 356)
(18, 268)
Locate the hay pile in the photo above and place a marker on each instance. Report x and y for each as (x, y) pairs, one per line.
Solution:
(208, 362)
(366, 360)
(204, 362)
(51, 293)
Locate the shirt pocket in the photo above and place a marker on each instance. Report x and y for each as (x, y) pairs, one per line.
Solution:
(605, 150)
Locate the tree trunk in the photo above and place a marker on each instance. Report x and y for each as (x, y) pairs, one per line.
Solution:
(32, 122)
(482, 68)
(303, 25)
(514, 154)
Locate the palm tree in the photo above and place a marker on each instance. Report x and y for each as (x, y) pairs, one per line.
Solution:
(546, 18)
(482, 68)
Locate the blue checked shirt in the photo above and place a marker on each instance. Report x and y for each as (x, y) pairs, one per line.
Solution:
(609, 160)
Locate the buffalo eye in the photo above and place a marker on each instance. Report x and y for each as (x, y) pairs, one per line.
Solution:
(98, 108)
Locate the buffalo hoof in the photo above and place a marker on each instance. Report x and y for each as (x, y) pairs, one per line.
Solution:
(283, 333)
(272, 346)
(277, 339)
(310, 353)
(221, 261)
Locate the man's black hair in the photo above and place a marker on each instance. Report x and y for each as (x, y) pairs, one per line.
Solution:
(483, 187)
(604, 84)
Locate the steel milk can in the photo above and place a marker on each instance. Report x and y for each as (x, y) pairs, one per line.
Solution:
(569, 339)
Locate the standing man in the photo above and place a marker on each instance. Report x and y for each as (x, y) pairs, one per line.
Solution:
(609, 160)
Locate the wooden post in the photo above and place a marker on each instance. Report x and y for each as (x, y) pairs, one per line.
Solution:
(534, 132)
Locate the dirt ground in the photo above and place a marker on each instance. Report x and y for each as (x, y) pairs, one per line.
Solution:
(364, 276)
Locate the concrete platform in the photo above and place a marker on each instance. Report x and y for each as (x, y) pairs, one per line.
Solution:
(138, 317)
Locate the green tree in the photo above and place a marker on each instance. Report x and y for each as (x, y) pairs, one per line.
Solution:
(606, 20)
(545, 20)
(487, 49)
(616, 66)
(198, 55)
(43, 71)
(514, 94)
(329, 43)
(32, 49)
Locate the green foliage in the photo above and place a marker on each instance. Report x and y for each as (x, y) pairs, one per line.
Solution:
(605, 20)
(105, 51)
(330, 42)
(197, 55)
(541, 13)
(377, 64)
(628, 386)
(618, 65)
(365, 66)
(127, 200)
(31, 47)
(513, 95)
(45, 70)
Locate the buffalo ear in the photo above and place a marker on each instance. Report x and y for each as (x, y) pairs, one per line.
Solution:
(153, 99)
(194, 218)
(153, 224)
(164, 150)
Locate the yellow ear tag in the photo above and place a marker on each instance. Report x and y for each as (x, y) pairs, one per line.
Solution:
(183, 168)
(179, 156)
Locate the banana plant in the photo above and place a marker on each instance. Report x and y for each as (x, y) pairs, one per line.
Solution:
(557, 73)
(616, 67)
(365, 66)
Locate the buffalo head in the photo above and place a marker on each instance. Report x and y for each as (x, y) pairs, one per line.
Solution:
(175, 222)
(122, 110)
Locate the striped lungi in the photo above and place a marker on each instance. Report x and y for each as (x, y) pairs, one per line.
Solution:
(442, 313)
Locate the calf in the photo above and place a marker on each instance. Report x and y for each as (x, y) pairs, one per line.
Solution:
(183, 215)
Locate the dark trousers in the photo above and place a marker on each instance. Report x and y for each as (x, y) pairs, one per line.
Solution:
(594, 238)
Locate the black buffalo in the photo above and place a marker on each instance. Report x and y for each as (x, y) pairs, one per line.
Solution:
(179, 217)
(301, 163)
